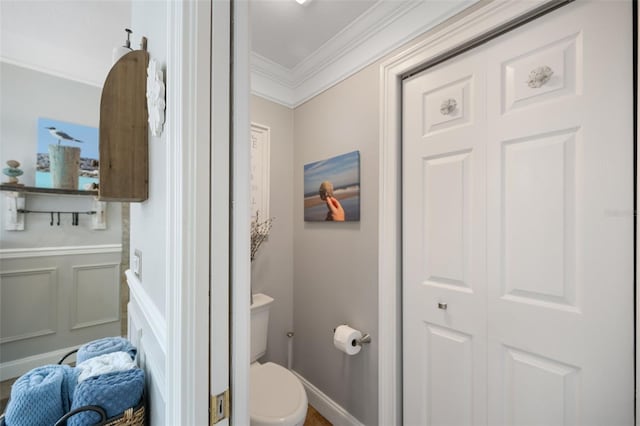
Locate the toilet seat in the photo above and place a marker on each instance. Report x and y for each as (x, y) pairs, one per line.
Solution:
(276, 396)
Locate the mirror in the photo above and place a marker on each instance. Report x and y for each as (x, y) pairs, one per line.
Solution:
(60, 280)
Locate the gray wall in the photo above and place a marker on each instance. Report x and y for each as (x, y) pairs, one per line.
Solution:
(272, 269)
(335, 264)
(148, 219)
(323, 274)
(148, 226)
(26, 95)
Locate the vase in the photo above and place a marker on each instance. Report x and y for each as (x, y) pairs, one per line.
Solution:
(64, 164)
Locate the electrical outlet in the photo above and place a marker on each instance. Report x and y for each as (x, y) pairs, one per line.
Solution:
(136, 265)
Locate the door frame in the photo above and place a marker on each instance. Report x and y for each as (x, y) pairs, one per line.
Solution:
(240, 265)
(208, 209)
(469, 28)
(187, 211)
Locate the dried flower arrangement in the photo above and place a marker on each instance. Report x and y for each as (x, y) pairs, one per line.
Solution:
(259, 233)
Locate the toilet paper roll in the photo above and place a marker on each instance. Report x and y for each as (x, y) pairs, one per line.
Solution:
(346, 339)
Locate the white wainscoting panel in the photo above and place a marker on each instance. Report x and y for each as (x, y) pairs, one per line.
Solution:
(147, 331)
(93, 302)
(55, 299)
(26, 308)
(153, 317)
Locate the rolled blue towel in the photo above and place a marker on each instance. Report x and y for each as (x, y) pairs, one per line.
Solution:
(103, 346)
(114, 392)
(41, 396)
(69, 386)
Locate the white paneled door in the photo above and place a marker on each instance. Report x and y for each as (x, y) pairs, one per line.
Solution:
(518, 227)
(445, 295)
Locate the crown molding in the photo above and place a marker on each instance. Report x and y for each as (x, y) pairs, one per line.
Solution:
(271, 81)
(384, 27)
(272, 70)
(377, 19)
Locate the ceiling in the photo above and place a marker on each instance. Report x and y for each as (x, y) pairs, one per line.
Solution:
(67, 38)
(286, 32)
(297, 51)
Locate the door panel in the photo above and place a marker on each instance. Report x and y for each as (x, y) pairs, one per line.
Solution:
(539, 391)
(447, 106)
(521, 90)
(449, 376)
(560, 267)
(537, 204)
(518, 227)
(444, 309)
(446, 193)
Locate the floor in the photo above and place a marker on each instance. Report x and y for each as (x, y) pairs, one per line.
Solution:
(313, 417)
(5, 391)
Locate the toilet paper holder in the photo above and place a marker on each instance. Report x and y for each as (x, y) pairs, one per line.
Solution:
(366, 338)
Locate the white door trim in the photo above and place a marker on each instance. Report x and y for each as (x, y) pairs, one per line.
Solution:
(637, 260)
(187, 209)
(240, 216)
(459, 30)
(220, 177)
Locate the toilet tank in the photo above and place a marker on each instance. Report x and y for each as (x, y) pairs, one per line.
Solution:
(259, 324)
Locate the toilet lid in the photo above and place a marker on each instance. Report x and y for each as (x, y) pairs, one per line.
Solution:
(276, 394)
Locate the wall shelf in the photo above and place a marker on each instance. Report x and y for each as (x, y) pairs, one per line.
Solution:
(36, 190)
(15, 206)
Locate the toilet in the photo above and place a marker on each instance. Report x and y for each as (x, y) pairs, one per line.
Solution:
(276, 395)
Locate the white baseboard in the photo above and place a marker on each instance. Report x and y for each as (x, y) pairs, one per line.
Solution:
(16, 368)
(329, 409)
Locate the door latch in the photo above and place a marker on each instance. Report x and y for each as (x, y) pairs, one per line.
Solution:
(219, 407)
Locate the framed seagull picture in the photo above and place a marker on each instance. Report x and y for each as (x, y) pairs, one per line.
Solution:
(54, 136)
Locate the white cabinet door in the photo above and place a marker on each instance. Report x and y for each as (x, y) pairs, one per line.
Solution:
(518, 227)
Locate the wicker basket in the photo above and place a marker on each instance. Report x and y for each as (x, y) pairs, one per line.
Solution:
(131, 417)
(134, 416)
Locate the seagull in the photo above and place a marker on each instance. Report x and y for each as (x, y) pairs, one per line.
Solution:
(60, 135)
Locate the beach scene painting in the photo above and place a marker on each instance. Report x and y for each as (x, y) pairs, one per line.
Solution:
(61, 133)
(332, 189)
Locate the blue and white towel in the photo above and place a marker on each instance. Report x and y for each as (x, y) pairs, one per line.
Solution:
(103, 364)
(105, 346)
(114, 392)
(41, 396)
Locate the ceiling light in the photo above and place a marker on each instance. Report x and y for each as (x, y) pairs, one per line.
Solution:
(303, 2)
